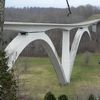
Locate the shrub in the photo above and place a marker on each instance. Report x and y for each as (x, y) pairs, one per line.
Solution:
(63, 97)
(49, 96)
(91, 97)
(7, 82)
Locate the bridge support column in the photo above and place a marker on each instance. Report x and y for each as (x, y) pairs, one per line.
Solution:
(66, 54)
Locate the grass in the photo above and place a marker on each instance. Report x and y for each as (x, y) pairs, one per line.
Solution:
(37, 77)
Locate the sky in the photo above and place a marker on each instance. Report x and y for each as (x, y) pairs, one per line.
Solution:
(50, 3)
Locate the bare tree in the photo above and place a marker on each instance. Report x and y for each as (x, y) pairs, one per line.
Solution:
(69, 10)
(2, 7)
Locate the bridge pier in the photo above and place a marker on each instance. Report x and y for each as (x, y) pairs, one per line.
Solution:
(66, 54)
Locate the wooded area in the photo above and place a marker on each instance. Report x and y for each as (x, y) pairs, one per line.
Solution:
(54, 15)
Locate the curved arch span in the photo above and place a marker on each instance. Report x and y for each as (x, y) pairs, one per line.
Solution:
(75, 44)
(63, 70)
(15, 48)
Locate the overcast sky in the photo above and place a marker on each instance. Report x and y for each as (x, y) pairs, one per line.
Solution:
(49, 3)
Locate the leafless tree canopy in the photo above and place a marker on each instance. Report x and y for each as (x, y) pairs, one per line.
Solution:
(55, 15)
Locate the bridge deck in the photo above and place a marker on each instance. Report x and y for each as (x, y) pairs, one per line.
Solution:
(31, 27)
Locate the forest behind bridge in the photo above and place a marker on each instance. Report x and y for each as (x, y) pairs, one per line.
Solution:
(54, 15)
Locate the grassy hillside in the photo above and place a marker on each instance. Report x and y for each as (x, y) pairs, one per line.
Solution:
(37, 77)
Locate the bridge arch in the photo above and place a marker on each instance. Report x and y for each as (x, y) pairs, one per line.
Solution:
(15, 48)
(76, 41)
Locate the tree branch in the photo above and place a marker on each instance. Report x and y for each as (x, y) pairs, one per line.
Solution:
(69, 10)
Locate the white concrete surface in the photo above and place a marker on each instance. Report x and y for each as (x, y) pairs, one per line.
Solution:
(36, 31)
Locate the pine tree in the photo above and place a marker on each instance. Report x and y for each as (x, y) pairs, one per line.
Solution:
(91, 97)
(7, 82)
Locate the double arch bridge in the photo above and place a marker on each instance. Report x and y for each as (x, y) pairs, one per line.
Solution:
(30, 32)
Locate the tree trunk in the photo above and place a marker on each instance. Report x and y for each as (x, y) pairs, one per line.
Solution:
(2, 7)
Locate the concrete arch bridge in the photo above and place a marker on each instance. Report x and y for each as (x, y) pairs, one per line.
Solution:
(30, 32)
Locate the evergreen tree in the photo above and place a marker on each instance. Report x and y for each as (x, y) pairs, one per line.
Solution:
(63, 97)
(7, 82)
(49, 96)
(91, 97)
